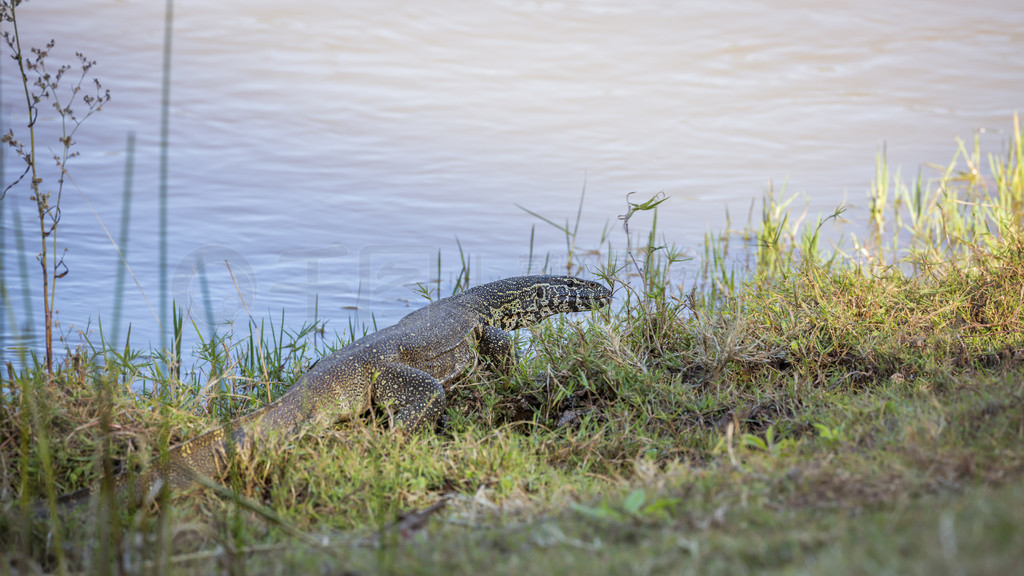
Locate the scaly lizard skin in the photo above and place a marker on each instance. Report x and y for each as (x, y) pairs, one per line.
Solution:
(403, 369)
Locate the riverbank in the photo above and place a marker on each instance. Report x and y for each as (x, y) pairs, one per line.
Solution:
(798, 409)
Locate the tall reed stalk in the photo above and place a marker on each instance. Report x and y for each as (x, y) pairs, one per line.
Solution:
(165, 106)
(26, 291)
(122, 245)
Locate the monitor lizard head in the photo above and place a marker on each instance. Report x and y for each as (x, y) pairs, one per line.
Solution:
(525, 300)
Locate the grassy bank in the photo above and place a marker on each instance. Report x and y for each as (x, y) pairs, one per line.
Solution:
(793, 409)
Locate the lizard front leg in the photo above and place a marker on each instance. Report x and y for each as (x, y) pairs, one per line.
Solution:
(413, 398)
(497, 346)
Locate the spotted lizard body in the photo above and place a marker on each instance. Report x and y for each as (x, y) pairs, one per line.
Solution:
(403, 369)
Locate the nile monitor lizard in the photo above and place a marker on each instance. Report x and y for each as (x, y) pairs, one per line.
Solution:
(403, 369)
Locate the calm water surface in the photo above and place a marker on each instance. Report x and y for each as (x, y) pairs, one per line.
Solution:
(330, 151)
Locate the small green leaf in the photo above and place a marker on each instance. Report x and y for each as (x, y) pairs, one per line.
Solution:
(659, 506)
(751, 441)
(635, 501)
(602, 513)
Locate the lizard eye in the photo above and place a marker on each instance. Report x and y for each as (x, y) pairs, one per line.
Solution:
(540, 292)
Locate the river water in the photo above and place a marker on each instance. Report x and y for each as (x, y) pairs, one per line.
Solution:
(331, 151)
